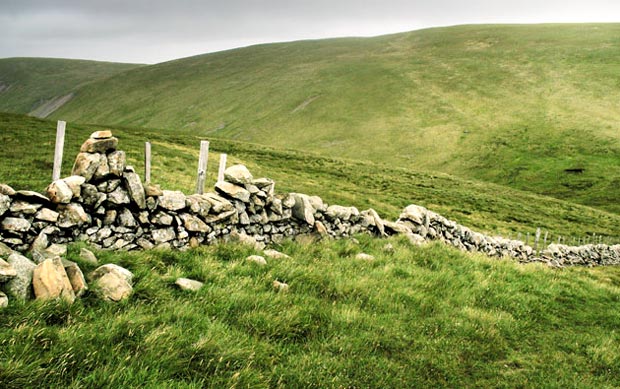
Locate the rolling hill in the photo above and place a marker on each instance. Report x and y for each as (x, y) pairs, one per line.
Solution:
(533, 107)
(38, 86)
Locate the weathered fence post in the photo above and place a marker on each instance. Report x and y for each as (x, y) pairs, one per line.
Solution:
(60, 144)
(147, 162)
(202, 166)
(536, 239)
(545, 242)
(527, 238)
(220, 172)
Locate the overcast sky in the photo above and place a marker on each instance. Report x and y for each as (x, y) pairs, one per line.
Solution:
(151, 31)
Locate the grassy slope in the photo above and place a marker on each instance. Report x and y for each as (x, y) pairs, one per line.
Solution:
(33, 81)
(420, 317)
(515, 105)
(29, 147)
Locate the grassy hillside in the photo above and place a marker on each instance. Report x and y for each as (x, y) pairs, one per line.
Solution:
(28, 146)
(39, 85)
(419, 317)
(515, 105)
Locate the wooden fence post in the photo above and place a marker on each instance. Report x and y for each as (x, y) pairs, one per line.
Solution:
(536, 239)
(147, 162)
(220, 172)
(546, 235)
(58, 150)
(202, 166)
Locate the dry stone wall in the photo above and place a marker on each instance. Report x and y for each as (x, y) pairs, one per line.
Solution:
(105, 203)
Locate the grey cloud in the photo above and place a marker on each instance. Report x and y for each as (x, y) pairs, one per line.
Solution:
(128, 30)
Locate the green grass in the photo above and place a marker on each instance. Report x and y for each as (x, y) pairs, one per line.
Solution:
(31, 82)
(420, 317)
(515, 105)
(28, 147)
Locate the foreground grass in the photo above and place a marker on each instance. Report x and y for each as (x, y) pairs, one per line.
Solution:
(28, 147)
(418, 317)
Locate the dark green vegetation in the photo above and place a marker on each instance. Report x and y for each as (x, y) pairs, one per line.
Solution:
(28, 146)
(513, 105)
(420, 317)
(37, 86)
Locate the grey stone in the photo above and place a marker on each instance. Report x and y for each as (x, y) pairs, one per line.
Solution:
(111, 268)
(365, 257)
(119, 196)
(86, 164)
(163, 235)
(6, 190)
(257, 259)
(50, 281)
(233, 191)
(13, 224)
(172, 200)
(21, 206)
(75, 184)
(162, 219)
(135, 189)
(303, 209)
(198, 204)
(5, 203)
(72, 215)
(238, 174)
(20, 286)
(221, 216)
(218, 203)
(126, 219)
(193, 223)
(103, 170)
(109, 186)
(117, 161)
(88, 257)
(102, 146)
(112, 283)
(32, 197)
(188, 284)
(281, 287)
(270, 253)
(47, 215)
(40, 243)
(6, 271)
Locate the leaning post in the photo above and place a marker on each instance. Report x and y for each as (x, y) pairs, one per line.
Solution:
(60, 144)
(202, 166)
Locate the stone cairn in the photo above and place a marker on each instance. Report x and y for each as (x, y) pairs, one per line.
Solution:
(105, 203)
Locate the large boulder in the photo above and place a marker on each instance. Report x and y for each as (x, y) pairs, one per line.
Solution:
(20, 286)
(112, 282)
(50, 281)
(303, 209)
(238, 174)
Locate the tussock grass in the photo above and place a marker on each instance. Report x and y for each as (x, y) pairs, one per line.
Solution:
(420, 316)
